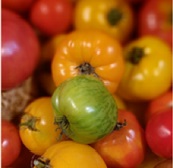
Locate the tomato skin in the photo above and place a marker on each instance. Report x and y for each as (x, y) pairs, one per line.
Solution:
(16, 49)
(91, 14)
(52, 17)
(100, 51)
(71, 154)
(146, 68)
(10, 143)
(42, 133)
(159, 104)
(84, 109)
(155, 19)
(158, 133)
(124, 148)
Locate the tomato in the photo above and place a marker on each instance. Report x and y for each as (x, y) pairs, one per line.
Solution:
(37, 128)
(155, 18)
(89, 52)
(84, 109)
(148, 62)
(52, 17)
(20, 52)
(10, 143)
(159, 104)
(70, 154)
(120, 102)
(17, 5)
(114, 17)
(124, 147)
(159, 133)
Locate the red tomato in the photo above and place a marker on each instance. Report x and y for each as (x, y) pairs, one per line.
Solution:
(159, 104)
(155, 18)
(10, 143)
(123, 148)
(19, 51)
(52, 17)
(17, 5)
(159, 133)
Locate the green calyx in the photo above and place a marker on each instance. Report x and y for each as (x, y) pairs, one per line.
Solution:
(135, 55)
(114, 16)
(30, 122)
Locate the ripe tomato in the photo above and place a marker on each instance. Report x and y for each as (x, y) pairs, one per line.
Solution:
(89, 52)
(125, 147)
(114, 17)
(84, 109)
(52, 17)
(20, 50)
(159, 104)
(10, 143)
(159, 133)
(146, 67)
(155, 18)
(70, 154)
(37, 128)
(17, 5)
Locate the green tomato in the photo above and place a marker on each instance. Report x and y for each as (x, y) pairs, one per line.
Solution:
(84, 109)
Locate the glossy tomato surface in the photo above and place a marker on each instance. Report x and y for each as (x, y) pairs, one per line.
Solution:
(155, 18)
(159, 133)
(52, 17)
(90, 52)
(161, 103)
(124, 147)
(10, 143)
(19, 51)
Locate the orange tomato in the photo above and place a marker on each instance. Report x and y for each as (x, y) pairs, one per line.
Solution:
(89, 52)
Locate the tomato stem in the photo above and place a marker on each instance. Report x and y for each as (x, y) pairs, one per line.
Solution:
(86, 69)
(120, 125)
(114, 16)
(30, 122)
(42, 163)
(135, 55)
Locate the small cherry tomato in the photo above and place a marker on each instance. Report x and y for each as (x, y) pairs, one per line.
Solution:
(37, 128)
(10, 143)
(70, 154)
(52, 17)
(89, 52)
(159, 133)
(114, 17)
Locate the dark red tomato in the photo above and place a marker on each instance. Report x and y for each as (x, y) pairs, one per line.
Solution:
(161, 103)
(123, 148)
(10, 143)
(19, 50)
(52, 17)
(17, 5)
(155, 18)
(159, 133)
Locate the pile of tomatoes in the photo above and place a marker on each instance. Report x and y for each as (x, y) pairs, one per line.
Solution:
(103, 69)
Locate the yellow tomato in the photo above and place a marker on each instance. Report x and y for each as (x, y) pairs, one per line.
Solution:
(69, 154)
(120, 102)
(148, 69)
(37, 128)
(89, 52)
(114, 17)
